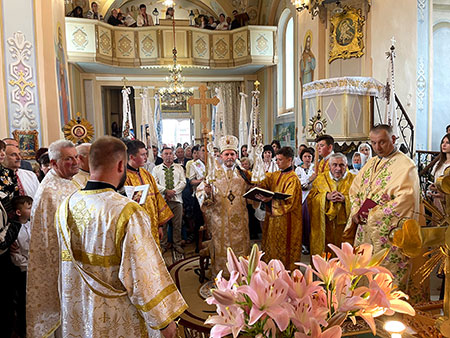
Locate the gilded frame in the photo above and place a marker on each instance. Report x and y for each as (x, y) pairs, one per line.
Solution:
(346, 34)
(28, 143)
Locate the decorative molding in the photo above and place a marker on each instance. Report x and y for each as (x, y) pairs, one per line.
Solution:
(201, 47)
(80, 38)
(421, 84)
(421, 7)
(20, 79)
(221, 48)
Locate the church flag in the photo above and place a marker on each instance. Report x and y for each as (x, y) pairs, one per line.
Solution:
(127, 124)
(148, 131)
(243, 122)
(158, 121)
(219, 118)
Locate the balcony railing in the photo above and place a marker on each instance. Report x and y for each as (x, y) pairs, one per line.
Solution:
(95, 41)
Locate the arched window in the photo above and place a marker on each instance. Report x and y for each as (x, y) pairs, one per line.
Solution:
(285, 69)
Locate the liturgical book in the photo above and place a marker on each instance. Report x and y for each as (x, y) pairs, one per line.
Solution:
(267, 193)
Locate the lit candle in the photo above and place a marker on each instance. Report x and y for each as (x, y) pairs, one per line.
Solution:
(395, 328)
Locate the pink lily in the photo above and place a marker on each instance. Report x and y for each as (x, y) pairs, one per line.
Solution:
(233, 263)
(302, 286)
(345, 299)
(302, 316)
(324, 269)
(268, 299)
(383, 300)
(229, 320)
(316, 331)
(358, 261)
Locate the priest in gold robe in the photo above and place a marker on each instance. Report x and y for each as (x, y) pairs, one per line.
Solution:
(224, 208)
(390, 180)
(43, 307)
(325, 145)
(282, 230)
(155, 205)
(330, 204)
(113, 279)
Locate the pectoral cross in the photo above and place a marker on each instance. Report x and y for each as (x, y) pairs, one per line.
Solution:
(203, 101)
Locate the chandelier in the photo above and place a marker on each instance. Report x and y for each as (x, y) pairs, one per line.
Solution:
(175, 93)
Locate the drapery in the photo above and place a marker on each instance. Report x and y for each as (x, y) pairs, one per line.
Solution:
(231, 102)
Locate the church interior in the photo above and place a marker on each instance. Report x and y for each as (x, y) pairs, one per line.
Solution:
(293, 70)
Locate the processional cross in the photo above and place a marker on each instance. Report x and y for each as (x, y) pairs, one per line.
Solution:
(203, 102)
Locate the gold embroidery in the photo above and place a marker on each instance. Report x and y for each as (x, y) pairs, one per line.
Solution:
(171, 318)
(122, 222)
(65, 256)
(79, 219)
(53, 329)
(91, 259)
(157, 299)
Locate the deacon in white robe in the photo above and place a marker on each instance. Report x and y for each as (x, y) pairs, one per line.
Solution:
(113, 279)
(43, 307)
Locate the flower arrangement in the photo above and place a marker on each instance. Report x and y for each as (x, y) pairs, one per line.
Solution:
(263, 299)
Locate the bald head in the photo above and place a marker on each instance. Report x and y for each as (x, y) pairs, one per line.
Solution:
(83, 155)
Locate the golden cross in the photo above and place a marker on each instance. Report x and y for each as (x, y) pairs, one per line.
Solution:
(203, 101)
(256, 83)
(22, 83)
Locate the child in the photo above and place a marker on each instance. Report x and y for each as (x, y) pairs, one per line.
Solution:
(19, 255)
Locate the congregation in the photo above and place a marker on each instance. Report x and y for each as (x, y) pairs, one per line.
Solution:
(72, 236)
(144, 19)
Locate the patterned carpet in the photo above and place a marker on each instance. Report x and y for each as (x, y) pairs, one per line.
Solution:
(187, 280)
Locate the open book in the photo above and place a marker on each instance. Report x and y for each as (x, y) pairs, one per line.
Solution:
(267, 193)
(138, 193)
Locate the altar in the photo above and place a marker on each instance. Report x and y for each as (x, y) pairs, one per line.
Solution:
(346, 104)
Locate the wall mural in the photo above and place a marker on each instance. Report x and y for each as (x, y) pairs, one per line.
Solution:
(61, 74)
(20, 78)
(307, 67)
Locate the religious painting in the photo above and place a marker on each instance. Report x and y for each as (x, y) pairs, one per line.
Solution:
(28, 143)
(285, 133)
(181, 107)
(307, 66)
(78, 130)
(346, 34)
(61, 74)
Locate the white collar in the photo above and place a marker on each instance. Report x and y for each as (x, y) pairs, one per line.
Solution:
(336, 179)
(328, 156)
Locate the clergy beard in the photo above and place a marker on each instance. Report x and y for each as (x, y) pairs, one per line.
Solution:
(122, 180)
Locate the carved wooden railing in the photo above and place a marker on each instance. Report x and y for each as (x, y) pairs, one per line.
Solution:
(95, 41)
(406, 129)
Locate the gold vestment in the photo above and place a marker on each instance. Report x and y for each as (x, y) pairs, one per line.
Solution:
(226, 216)
(155, 205)
(328, 219)
(282, 232)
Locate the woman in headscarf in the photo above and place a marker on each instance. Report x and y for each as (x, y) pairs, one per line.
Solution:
(366, 150)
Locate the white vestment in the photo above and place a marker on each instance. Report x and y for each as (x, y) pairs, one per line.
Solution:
(43, 308)
(82, 178)
(29, 182)
(113, 279)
